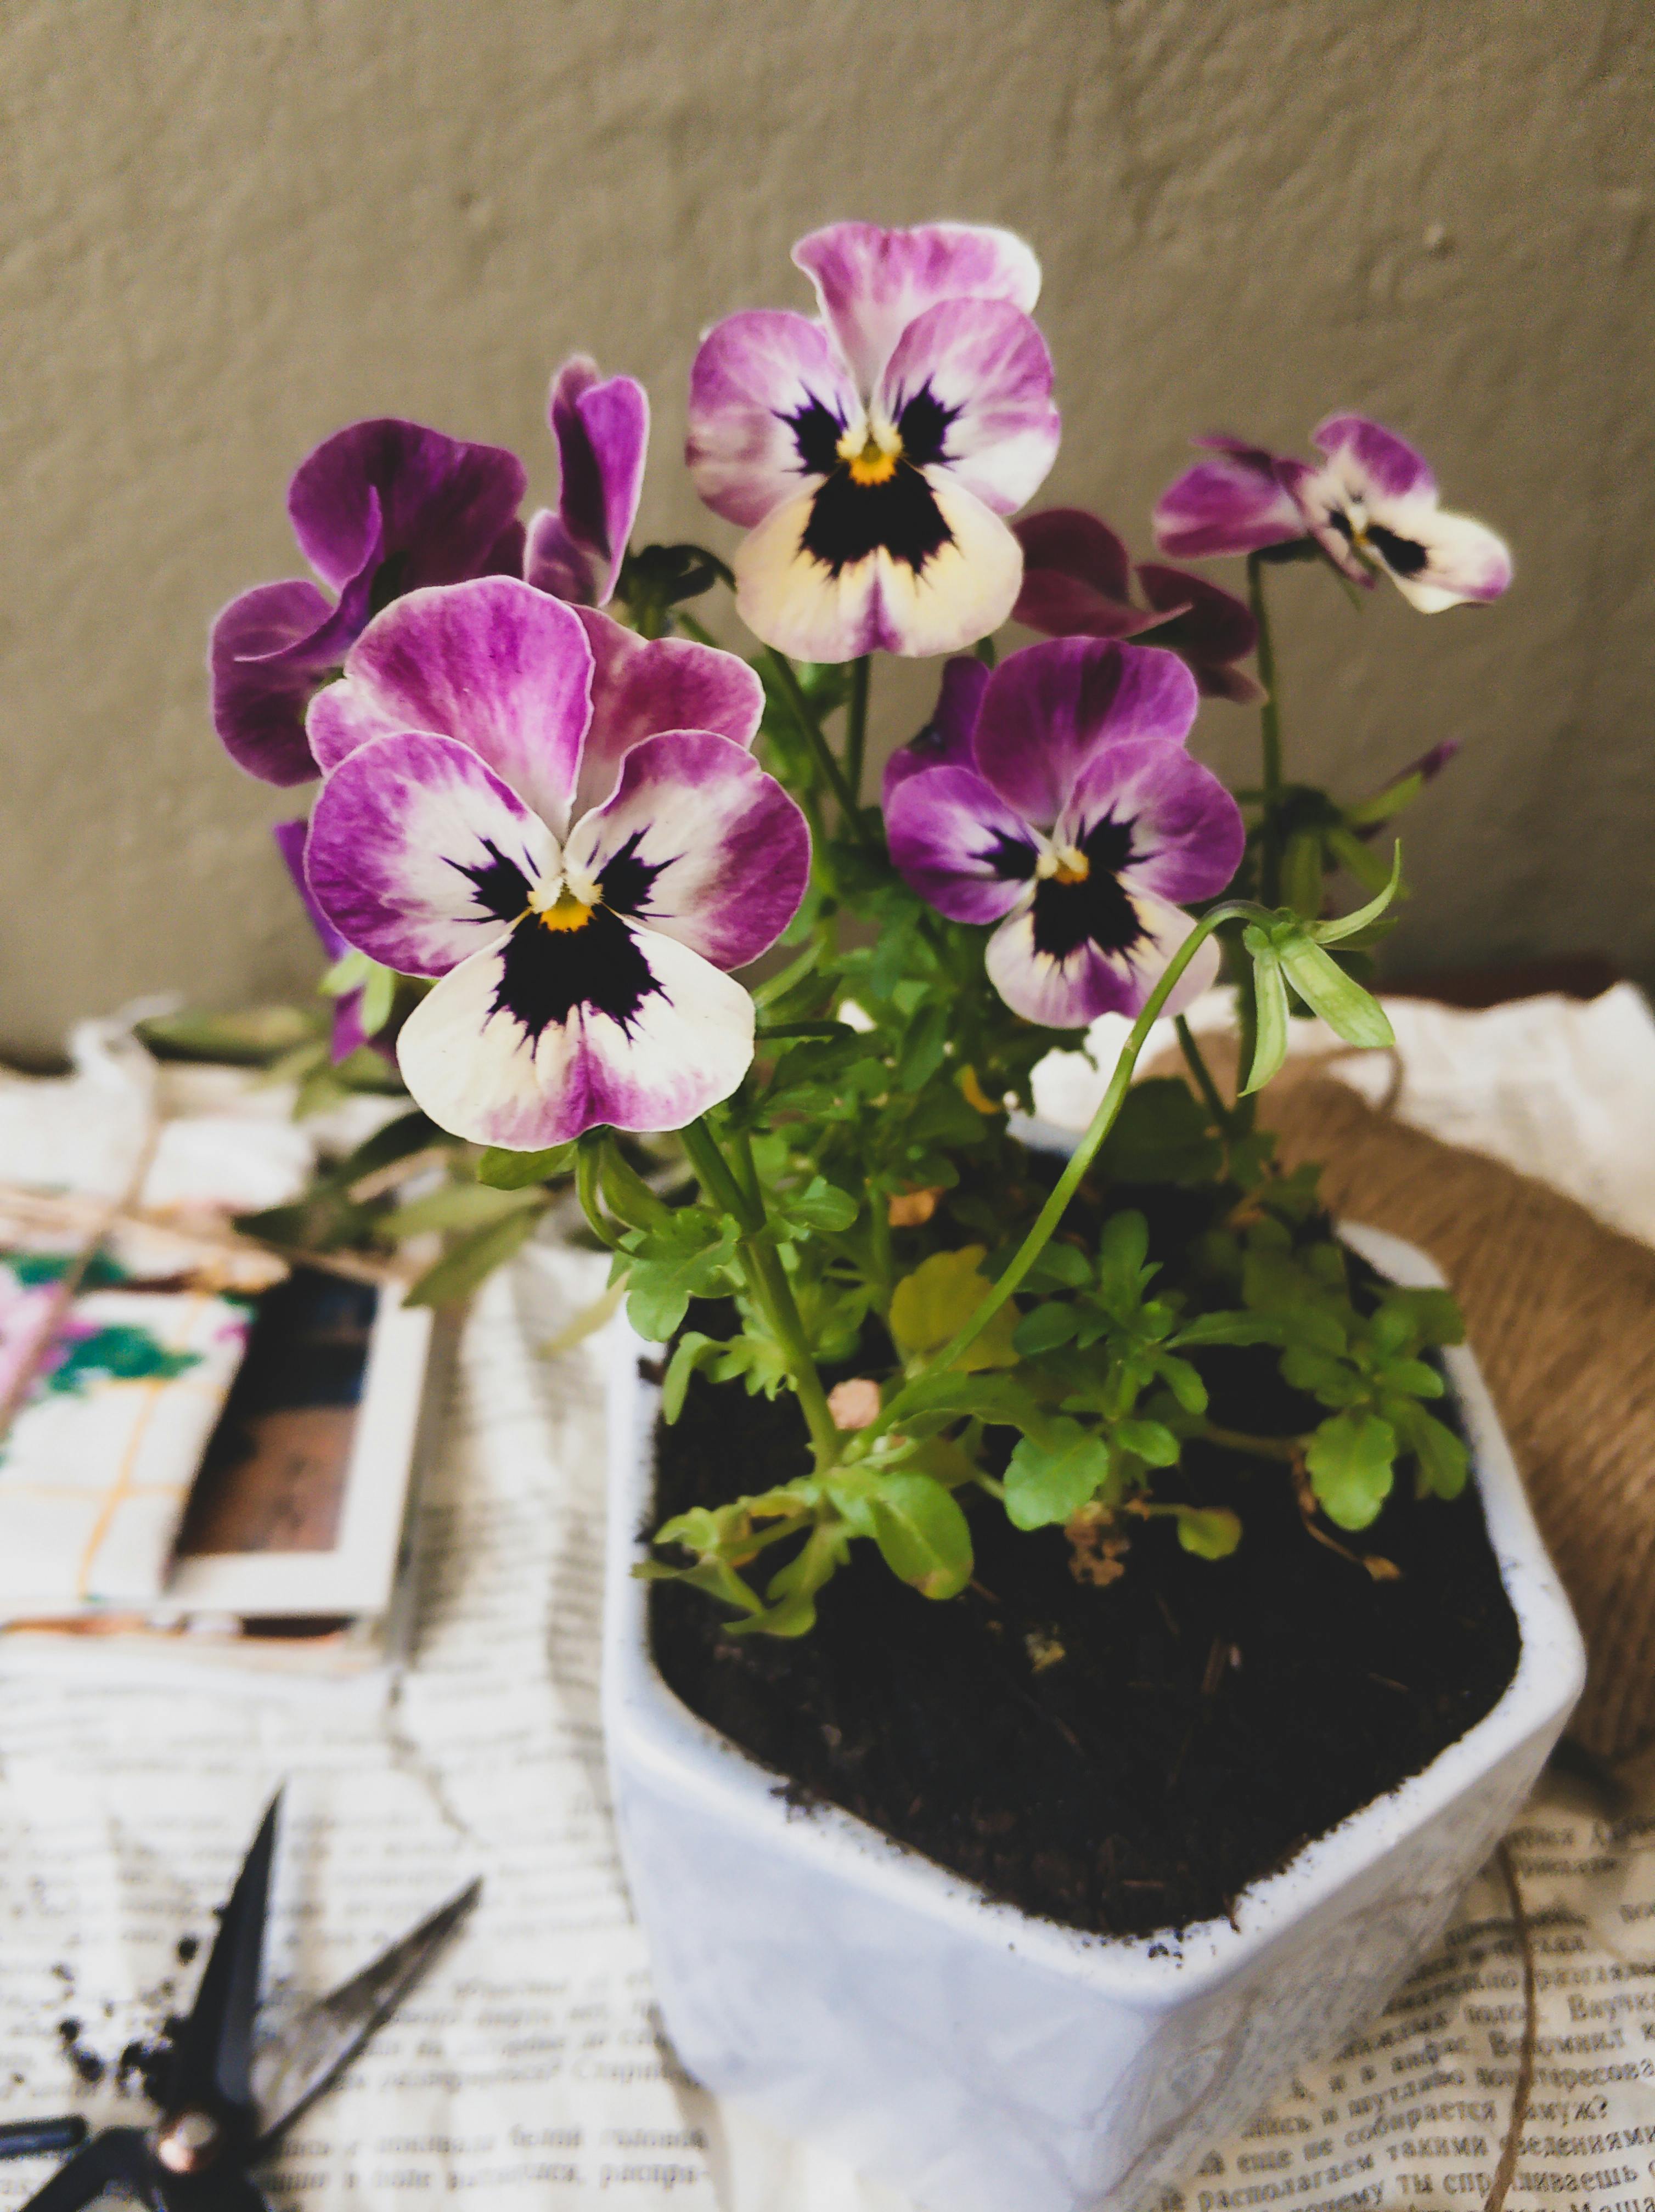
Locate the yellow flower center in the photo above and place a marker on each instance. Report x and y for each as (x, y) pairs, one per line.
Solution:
(566, 912)
(1069, 866)
(873, 452)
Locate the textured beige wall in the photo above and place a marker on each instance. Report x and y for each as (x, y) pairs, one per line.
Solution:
(225, 229)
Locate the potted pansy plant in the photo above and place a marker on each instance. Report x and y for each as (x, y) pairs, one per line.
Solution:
(1073, 1623)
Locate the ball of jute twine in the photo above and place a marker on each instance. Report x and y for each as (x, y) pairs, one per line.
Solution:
(1561, 1313)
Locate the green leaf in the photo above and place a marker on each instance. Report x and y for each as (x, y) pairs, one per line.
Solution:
(923, 1535)
(504, 1170)
(821, 1205)
(397, 1140)
(1364, 862)
(457, 1206)
(1350, 1459)
(685, 1259)
(252, 1038)
(791, 1593)
(379, 996)
(473, 1260)
(1435, 1314)
(1301, 873)
(930, 1306)
(1161, 1134)
(923, 1046)
(1418, 1379)
(1211, 1532)
(349, 973)
(1444, 1461)
(1060, 1267)
(1270, 998)
(1323, 984)
(1150, 1441)
(1184, 1381)
(1044, 1327)
(1000, 1400)
(690, 1351)
(1348, 925)
(1047, 1480)
(1122, 1249)
(1230, 1329)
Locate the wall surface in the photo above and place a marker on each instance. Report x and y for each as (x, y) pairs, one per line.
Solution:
(225, 230)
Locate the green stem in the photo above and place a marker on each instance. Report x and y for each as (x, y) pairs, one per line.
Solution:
(782, 669)
(588, 1163)
(778, 986)
(885, 1266)
(1195, 1061)
(767, 1278)
(1239, 1440)
(1051, 1213)
(856, 725)
(1269, 730)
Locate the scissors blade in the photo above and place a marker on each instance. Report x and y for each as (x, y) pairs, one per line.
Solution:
(118, 2155)
(212, 2052)
(299, 2064)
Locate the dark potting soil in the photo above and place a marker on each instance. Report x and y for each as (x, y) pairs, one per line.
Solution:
(1123, 1760)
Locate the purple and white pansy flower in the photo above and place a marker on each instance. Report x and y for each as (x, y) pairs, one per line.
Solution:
(602, 430)
(1074, 817)
(564, 824)
(1370, 505)
(347, 1025)
(380, 509)
(872, 454)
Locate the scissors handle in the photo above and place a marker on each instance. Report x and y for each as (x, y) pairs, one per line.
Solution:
(35, 2138)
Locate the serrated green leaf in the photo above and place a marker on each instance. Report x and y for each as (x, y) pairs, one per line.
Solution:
(1211, 1532)
(682, 1260)
(504, 1170)
(1351, 1459)
(820, 1204)
(1003, 1401)
(930, 1306)
(1050, 1479)
(473, 1260)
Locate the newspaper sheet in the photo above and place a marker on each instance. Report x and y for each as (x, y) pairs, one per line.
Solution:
(528, 2070)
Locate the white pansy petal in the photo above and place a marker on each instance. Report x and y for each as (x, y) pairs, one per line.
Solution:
(969, 387)
(1048, 973)
(552, 1032)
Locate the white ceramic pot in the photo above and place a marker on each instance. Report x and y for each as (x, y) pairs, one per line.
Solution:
(982, 2061)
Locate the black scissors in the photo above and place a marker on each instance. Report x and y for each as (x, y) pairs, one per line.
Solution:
(226, 2104)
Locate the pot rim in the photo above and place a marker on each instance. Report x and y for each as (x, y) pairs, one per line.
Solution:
(692, 1760)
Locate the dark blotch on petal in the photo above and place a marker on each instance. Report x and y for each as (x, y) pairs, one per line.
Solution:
(626, 881)
(549, 974)
(815, 432)
(500, 886)
(1400, 555)
(924, 426)
(848, 520)
(1066, 915)
(1011, 858)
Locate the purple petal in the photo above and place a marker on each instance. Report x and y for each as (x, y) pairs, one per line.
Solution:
(494, 663)
(960, 591)
(984, 364)
(767, 402)
(290, 843)
(522, 1045)
(1187, 832)
(1048, 708)
(1069, 542)
(946, 740)
(602, 431)
(959, 845)
(1235, 503)
(1069, 993)
(445, 503)
(1207, 627)
(871, 284)
(419, 853)
(258, 700)
(641, 686)
(1384, 464)
(700, 844)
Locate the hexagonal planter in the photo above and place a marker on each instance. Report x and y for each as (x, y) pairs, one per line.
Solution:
(979, 2059)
